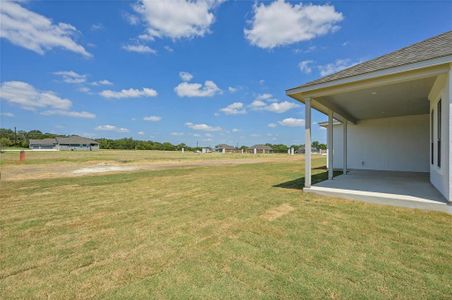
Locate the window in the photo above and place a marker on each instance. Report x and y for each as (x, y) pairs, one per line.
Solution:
(432, 123)
(438, 132)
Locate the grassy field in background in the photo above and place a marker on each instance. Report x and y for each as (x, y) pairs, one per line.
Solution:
(244, 231)
(45, 157)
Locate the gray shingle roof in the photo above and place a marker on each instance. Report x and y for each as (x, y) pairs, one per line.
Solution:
(261, 147)
(75, 139)
(225, 146)
(435, 47)
(42, 142)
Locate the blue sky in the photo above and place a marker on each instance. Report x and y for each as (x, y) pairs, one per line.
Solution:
(207, 71)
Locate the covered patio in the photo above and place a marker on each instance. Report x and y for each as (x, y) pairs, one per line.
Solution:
(406, 189)
(388, 127)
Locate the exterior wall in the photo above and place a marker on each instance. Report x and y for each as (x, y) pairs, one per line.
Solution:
(391, 144)
(78, 147)
(439, 176)
(42, 147)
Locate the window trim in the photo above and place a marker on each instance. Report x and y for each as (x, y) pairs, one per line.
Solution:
(432, 131)
(438, 132)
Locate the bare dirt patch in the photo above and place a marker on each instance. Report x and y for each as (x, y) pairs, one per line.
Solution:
(102, 169)
(71, 169)
(277, 212)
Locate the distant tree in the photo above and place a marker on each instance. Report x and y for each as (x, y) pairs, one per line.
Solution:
(4, 142)
(315, 145)
(279, 148)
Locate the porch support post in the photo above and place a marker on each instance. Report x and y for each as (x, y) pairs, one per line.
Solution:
(307, 143)
(330, 145)
(344, 141)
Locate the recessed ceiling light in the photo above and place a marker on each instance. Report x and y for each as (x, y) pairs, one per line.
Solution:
(374, 93)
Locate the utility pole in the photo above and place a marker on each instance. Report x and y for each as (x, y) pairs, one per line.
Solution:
(15, 136)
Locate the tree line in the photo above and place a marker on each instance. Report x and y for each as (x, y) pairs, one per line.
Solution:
(11, 138)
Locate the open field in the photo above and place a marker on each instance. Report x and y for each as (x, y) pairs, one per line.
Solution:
(58, 164)
(210, 231)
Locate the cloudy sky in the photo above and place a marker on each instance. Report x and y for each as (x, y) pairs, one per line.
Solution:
(202, 71)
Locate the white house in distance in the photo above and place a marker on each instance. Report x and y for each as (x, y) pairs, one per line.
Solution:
(64, 143)
(393, 141)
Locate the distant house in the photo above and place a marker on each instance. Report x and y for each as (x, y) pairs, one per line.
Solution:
(260, 149)
(43, 144)
(300, 150)
(64, 143)
(225, 148)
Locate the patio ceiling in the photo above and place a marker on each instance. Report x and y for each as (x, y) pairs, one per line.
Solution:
(400, 99)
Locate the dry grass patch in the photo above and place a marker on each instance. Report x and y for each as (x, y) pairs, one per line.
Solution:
(277, 212)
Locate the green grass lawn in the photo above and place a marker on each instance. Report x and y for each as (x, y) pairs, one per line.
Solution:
(242, 231)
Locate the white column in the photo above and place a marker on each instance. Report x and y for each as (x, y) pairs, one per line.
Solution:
(344, 141)
(307, 143)
(330, 145)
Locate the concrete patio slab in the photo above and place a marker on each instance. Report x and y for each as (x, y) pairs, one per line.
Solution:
(405, 189)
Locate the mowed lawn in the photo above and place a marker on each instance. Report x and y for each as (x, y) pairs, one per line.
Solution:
(244, 231)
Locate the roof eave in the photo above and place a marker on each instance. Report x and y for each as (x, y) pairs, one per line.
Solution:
(367, 76)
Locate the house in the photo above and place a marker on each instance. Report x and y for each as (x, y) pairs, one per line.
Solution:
(64, 143)
(42, 144)
(260, 149)
(223, 148)
(392, 140)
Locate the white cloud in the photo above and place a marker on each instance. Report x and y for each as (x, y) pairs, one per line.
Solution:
(139, 49)
(186, 89)
(35, 32)
(97, 27)
(185, 76)
(85, 89)
(272, 125)
(280, 107)
(27, 97)
(131, 19)
(141, 132)
(177, 18)
(177, 133)
(168, 48)
(152, 118)
(72, 114)
(203, 127)
(7, 114)
(129, 93)
(292, 122)
(338, 65)
(280, 23)
(235, 108)
(71, 76)
(235, 130)
(232, 89)
(268, 103)
(305, 66)
(111, 128)
(102, 82)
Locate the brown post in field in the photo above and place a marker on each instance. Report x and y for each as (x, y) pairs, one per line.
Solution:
(22, 155)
